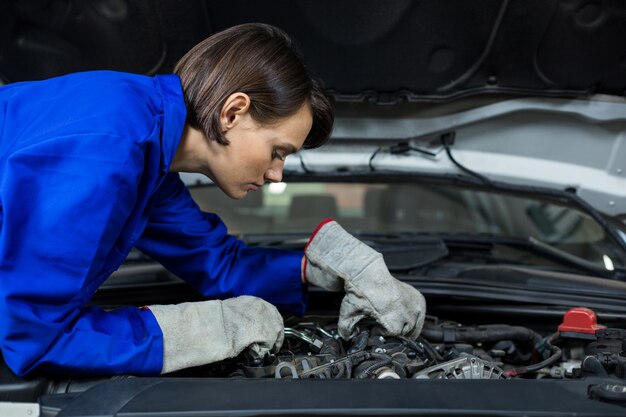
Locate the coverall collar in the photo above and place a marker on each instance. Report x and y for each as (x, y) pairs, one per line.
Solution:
(174, 119)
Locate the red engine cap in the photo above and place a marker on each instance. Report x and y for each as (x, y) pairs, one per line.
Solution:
(580, 320)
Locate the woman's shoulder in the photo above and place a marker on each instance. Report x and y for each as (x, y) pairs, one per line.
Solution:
(97, 108)
(118, 103)
(117, 90)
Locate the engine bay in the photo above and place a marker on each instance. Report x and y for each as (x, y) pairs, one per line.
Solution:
(579, 353)
(578, 348)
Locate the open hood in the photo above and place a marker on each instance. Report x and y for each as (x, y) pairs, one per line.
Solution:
(438, 50)
(362, 49)
(466, 57)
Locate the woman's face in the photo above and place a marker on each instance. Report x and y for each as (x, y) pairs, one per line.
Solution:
(256, 153)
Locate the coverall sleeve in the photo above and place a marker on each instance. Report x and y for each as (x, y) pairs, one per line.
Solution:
(64, 203)
(196, 246)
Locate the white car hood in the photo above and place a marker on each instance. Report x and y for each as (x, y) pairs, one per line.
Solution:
(562, 144)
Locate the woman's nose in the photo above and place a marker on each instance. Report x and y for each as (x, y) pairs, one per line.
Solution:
(274, 173)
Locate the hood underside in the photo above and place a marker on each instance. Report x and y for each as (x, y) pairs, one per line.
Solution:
(401, 52)
(433, 50)
(381, 52)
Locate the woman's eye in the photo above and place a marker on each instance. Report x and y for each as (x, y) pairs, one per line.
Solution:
(278, 155)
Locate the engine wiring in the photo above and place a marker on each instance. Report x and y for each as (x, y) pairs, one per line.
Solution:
(444, 350)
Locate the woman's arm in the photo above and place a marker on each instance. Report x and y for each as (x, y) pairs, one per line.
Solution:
(64, 203)
(196, 246)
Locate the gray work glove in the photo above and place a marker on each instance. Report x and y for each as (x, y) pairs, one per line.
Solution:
(209, 331)
(336, 260)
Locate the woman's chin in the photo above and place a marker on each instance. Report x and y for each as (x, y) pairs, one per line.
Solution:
(235, 193)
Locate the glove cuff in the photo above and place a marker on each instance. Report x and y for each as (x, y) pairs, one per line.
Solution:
(321, 278)
(317, 229)
(316, 271)
(315, 275)
(204, 332)
(337, 252)
(187, 334)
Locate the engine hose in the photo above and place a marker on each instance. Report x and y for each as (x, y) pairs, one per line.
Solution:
(432, 353)
(555, 357)
(490, 333)
(413, 345)
(422, 348)
(592, 364)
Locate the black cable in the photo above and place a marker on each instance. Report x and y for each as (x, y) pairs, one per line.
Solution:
(400, 148)
(413, 345)
(593, 365)
(380, 148)
(545, 191)
(559, 194)
(304, 168)
(404, 147)
(422, 151)
(434, 355)
(493, 34)
(446, 145)
(555, 357)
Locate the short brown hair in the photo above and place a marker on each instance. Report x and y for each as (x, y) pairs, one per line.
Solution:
(261, 61)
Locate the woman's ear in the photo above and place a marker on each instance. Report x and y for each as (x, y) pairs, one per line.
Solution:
(235, 106)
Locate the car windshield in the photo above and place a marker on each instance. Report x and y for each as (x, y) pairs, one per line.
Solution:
(388, 208)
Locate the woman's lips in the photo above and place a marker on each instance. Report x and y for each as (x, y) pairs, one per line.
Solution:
(254, 187)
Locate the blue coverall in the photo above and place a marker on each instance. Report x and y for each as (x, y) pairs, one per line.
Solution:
(84, 162)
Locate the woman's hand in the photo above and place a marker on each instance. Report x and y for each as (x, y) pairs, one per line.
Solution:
(336, 260)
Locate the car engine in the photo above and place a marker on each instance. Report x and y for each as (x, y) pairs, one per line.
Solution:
(444, 350)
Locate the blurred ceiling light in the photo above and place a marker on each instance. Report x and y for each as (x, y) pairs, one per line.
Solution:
(277, 187)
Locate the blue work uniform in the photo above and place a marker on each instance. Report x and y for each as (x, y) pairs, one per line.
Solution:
(84, 162)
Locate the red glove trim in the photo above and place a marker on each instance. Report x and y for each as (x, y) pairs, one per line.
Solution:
(317, 229)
